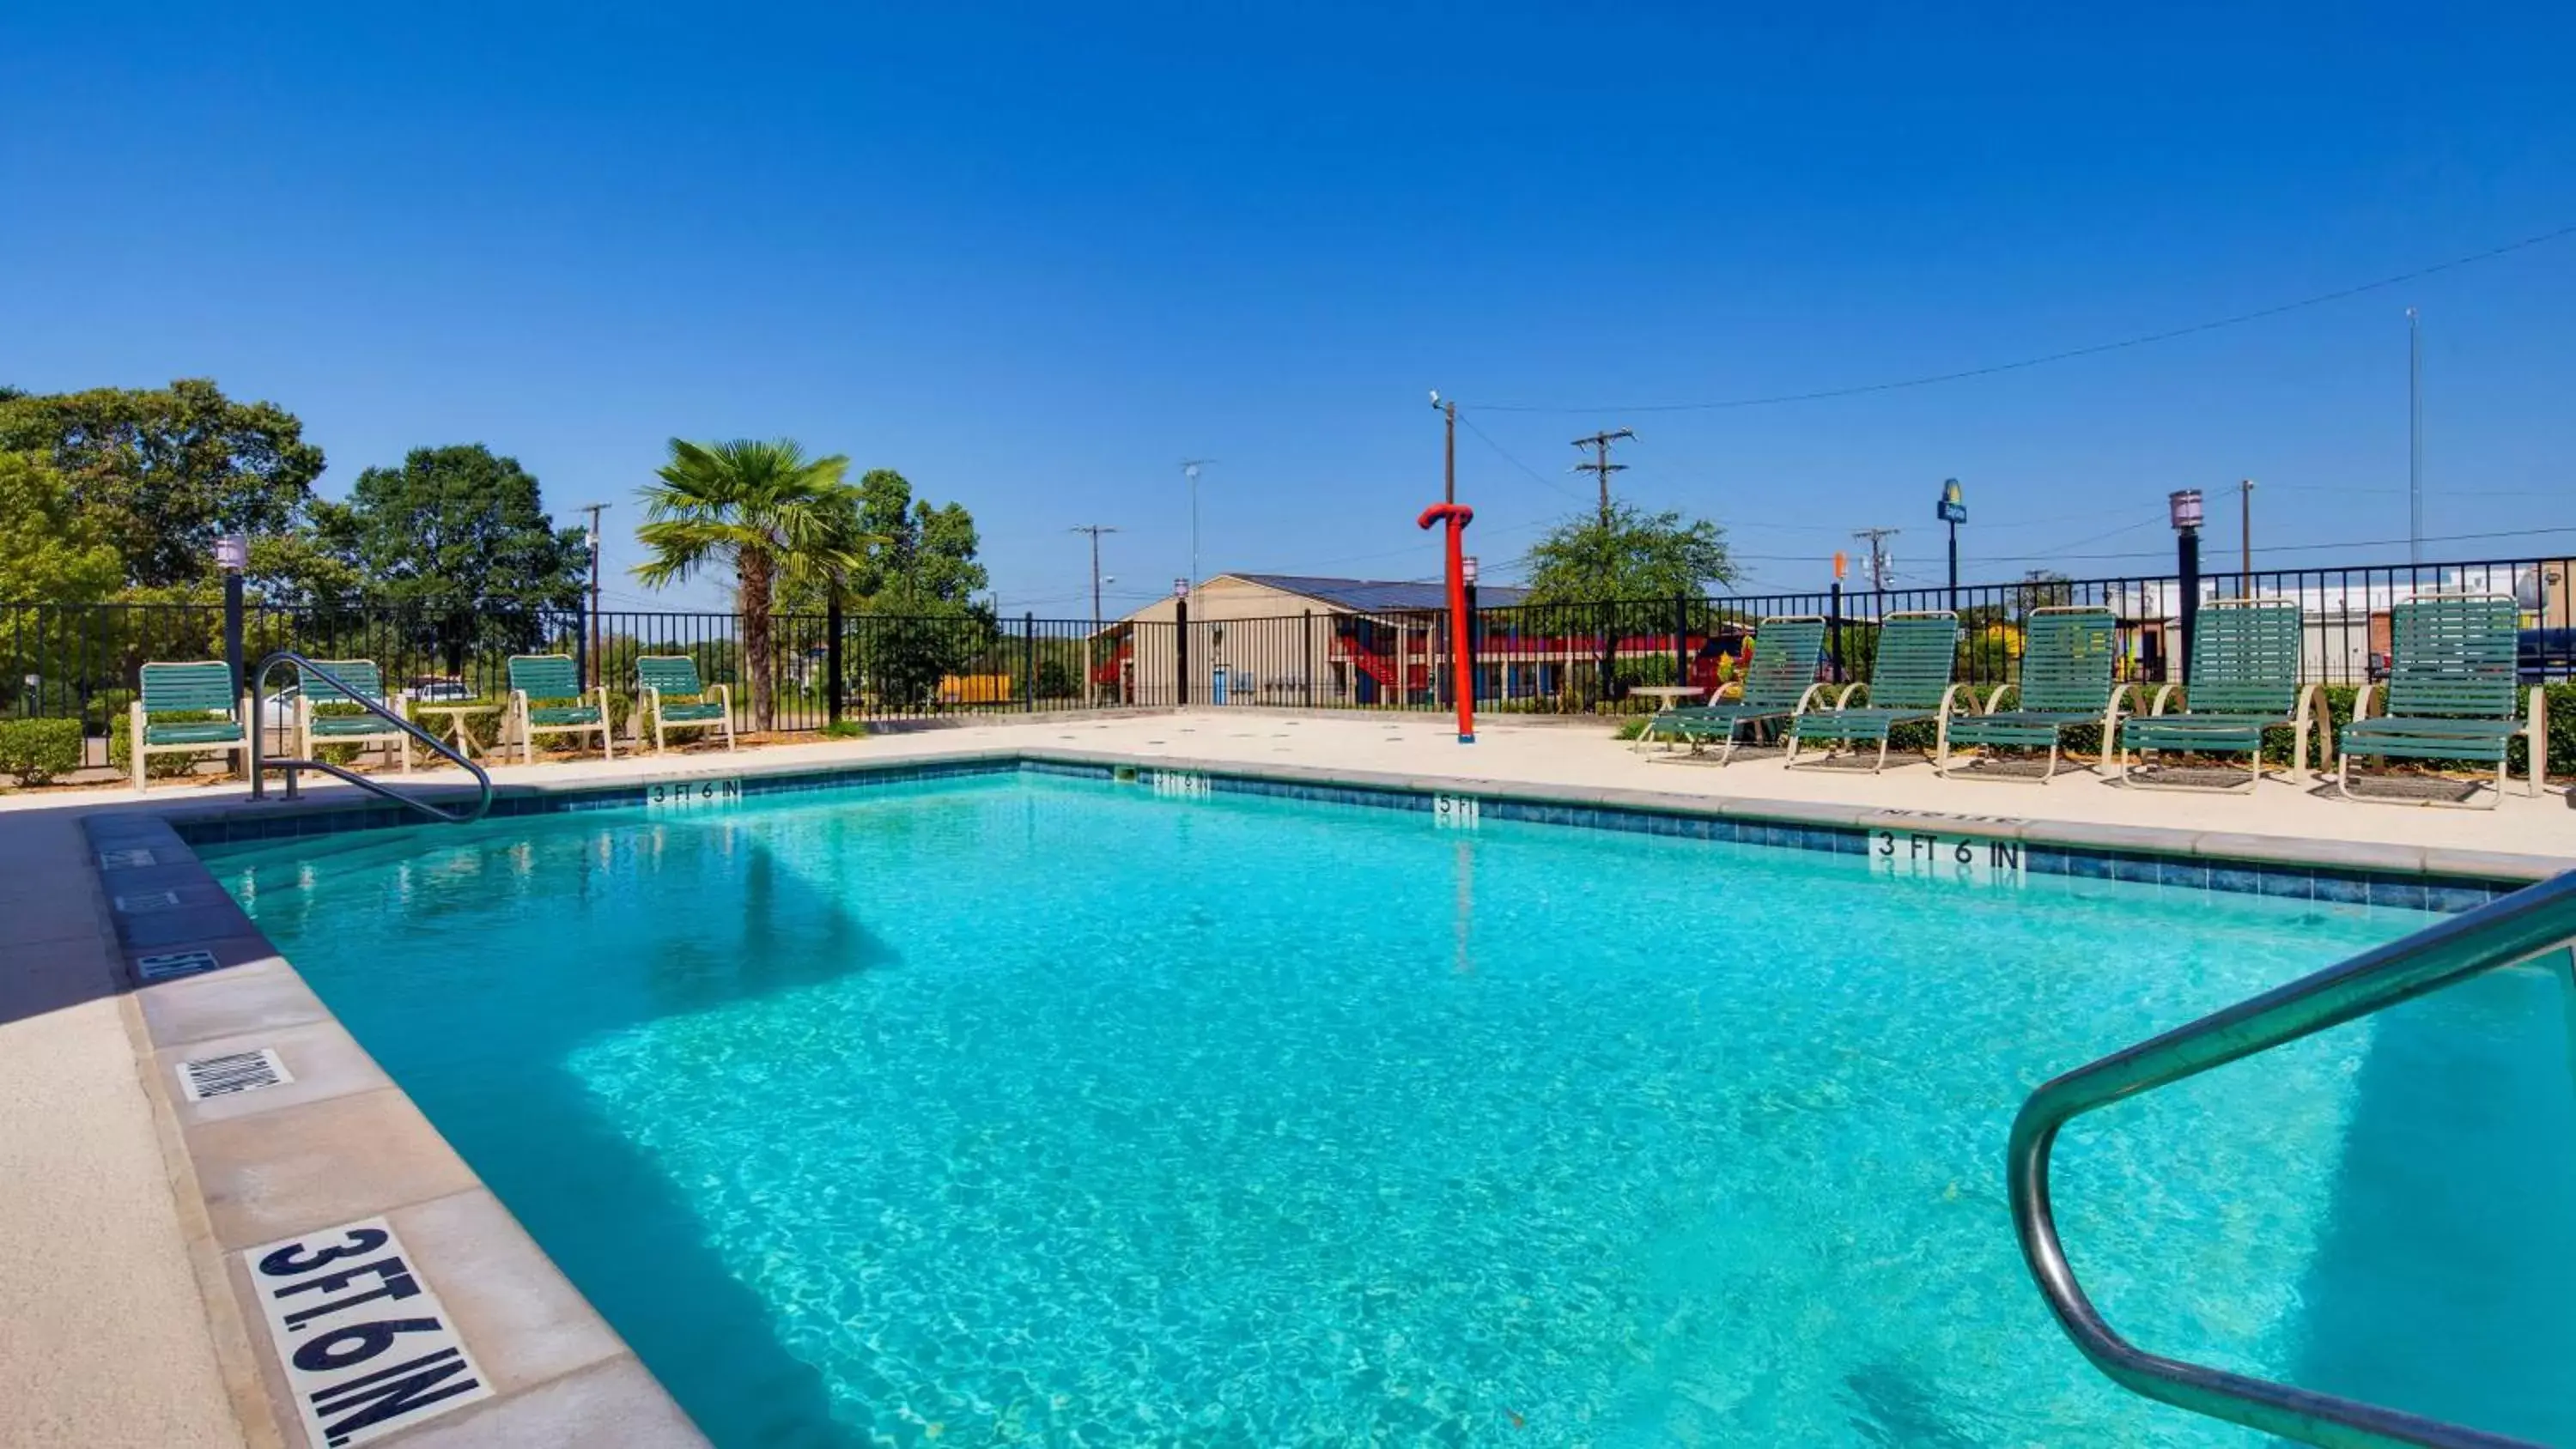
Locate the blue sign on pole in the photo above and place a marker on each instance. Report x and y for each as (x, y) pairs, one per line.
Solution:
(1952, 508)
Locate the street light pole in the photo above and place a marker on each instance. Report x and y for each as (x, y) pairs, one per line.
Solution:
(1190, 470)
(2185, 507)
(1449, 454)
(2245, 519)
(2414, 439)
(1953, 510)
(598, 667)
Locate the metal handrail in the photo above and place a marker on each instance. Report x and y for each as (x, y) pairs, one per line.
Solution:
(2528, 923)
(259, 763)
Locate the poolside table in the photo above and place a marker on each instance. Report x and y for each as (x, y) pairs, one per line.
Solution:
(456, 714)
(1669, 694)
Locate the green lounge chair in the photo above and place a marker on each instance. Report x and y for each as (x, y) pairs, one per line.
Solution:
(1780, 685)
(2450, 692)
(553, 679)
(368, 683)
(1909, 683)
(2066, 657)
(674, 697)
(213, 717)
(2244, 681)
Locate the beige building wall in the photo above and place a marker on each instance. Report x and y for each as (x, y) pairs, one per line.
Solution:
(1257, 634)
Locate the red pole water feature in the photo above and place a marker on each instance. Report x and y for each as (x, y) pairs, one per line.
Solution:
(1461, 627)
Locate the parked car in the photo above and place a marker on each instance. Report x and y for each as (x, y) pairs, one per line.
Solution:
(2545, 655)
(442, 691)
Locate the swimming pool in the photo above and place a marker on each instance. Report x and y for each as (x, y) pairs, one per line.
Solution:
(1030, 1110)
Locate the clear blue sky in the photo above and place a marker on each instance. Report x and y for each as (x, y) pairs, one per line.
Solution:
(1035, 256)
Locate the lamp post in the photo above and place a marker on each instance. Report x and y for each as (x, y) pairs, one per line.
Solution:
(1475, 628)
(1952, 510)
(2183, 505)
(232, 555)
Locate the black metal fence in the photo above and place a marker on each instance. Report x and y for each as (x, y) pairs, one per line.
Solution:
(801, 673)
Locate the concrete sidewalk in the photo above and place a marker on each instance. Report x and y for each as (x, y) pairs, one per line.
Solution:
(104, 1334)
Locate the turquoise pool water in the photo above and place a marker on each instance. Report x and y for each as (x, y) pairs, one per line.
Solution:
(1021, 1110)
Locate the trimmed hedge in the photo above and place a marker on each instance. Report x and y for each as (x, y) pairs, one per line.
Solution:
(37, 751)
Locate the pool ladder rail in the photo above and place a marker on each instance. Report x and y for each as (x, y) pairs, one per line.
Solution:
(260, 764)
(2529, 923)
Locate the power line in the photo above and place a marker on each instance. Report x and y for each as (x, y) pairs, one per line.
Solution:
(1540, 478)
(2142, 340)
(2285, 547)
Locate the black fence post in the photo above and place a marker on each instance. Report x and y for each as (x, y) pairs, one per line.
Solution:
(581, 645)
(1475, 646)
(1609, 617)
(832, 687)
(1028, 661)
(1309, 647)
(2187, 549)
(1181, 650)
(1681, 638)
(1835, 619)
(233, 631)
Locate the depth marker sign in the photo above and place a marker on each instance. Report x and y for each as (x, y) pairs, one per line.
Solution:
(1931, 855)
(367, 1347)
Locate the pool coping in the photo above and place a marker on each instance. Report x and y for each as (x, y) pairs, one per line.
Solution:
(344, 1144)
(2223, 860)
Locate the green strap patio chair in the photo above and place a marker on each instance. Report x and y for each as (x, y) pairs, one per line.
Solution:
(209, 717)
(2244, 682)
(546, 698)
(676, 699)
(1781, 684)
(2066, 658)
(365, 682)
(2450, 692)
(1909, 683)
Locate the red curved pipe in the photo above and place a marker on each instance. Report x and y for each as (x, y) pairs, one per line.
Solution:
(1461, 625)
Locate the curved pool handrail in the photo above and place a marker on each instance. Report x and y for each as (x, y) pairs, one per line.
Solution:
(2530, 922)
(259, 762)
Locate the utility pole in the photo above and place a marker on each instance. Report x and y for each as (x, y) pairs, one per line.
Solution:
(1449, 456)
(1877, 538)
(1190, 470)
(598, 667)
(2414, 439)
(2245, 516)
(1095, 530)
(1601, 465)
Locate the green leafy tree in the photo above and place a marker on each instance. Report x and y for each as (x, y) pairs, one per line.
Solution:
(916, 551)
(762, 509)
(169, 470)
(51, 550)
(461, 539)
(1631, 554)
(913, 593)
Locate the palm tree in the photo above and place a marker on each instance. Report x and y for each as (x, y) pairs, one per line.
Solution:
(764, 508)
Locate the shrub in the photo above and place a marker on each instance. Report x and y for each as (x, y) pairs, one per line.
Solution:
(845, 729)
(36, 751)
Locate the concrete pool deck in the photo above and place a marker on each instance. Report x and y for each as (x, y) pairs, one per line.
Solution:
(126, 1211)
